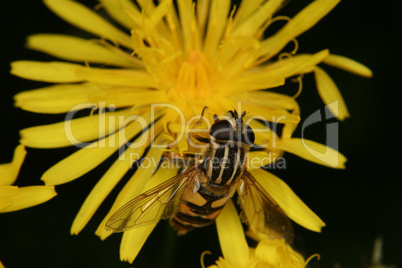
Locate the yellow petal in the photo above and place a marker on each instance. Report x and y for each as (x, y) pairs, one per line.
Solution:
(314, 152)
(5, 202)
(121, 77)
(202, 13)
(116, 9)
(1, 265)
(288, 67)
(127, 97)
(6, 196)
(253, 81)
(106, 184)
(271, 99)
(276, 253)
(8, 190)
(138, 17)
(76, 131)
(92, 155)
(155, 19)
(77, 49)
(330, 94)
(256, 20)
(217, 19)
(53, 72)
(246, 9)
(71, 97)
(257, 159)
(237, 55)
(267, 252)
(288, 200)
(57, 99)
(231, 236)
(348, 65)
(186, 12)
(302, 22)
(271, 114)
(134, 239)
(135, 186)
(86, 19)
(31, 196)
(9, 171)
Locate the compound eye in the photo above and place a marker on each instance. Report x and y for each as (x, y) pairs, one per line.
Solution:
(222, 130)
(248, 135)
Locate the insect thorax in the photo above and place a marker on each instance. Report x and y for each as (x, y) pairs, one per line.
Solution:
(225, 162)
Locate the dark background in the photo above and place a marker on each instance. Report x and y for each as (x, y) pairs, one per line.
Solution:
(357, 204)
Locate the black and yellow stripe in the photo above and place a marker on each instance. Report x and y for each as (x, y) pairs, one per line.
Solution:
(205, 206)
(225, 162)
(223, 165)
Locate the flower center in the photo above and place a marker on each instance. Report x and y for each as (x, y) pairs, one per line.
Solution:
(194, 79)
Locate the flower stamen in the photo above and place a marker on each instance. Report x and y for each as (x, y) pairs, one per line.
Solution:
(202, 257)
(194, 79)
(299, 80)
(311, 257)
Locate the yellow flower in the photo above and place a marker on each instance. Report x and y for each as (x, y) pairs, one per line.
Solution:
(275, 253)
(268, 254)
(14, 198)
(173, 59)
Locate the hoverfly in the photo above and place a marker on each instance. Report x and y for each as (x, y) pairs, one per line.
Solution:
(195, 197)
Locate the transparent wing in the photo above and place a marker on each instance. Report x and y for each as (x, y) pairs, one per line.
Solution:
(260, 212)
(154, 204)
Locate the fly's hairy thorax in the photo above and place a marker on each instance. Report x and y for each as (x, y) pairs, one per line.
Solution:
(225, 163)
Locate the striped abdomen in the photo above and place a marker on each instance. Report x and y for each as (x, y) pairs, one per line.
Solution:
(200, 208)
